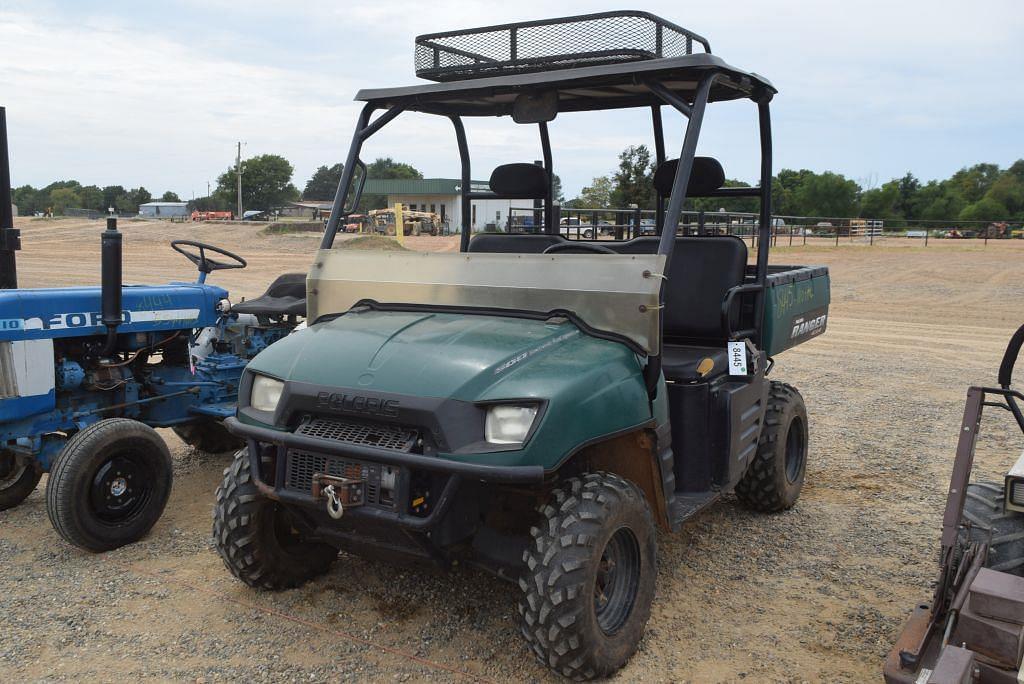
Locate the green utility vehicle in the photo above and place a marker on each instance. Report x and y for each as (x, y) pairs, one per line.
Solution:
(536, 405)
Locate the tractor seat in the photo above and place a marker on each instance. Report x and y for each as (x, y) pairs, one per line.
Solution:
(286, 296)
(686, 364)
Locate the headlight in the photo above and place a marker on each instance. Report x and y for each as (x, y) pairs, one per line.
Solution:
(508, 423)
(266, 393)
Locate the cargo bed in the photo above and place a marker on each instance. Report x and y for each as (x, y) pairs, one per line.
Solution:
(796, 306)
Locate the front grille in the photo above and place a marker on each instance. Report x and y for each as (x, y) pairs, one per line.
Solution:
(303, 465)
(393, 437)
(8, 380)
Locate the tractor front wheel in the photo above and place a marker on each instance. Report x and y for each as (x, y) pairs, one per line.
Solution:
(109, 485)
(257, 538)
(589, 577)
(207, 435)
(17, 480)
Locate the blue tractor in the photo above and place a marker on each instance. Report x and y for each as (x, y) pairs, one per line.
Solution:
(87, 373)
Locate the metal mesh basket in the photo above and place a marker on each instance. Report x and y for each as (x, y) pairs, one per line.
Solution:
(586, 40)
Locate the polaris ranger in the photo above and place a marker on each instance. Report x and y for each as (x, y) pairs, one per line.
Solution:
(534, 404)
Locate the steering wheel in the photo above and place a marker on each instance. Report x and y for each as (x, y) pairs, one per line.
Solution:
(586, 246)
(204, 263)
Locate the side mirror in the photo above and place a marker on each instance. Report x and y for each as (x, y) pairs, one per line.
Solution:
(530, 108)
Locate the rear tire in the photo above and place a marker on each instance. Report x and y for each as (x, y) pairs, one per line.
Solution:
(16, 481)
(208, 435)
(589, 577)
(775, 476)
(255, 536)
(109, 485)
(983, 508)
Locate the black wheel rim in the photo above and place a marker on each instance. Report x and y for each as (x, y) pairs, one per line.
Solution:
(10, 471)
(283, 530)
(122, 487)
(618, 575)
(796, 450)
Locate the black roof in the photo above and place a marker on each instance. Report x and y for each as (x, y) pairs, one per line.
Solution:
(610, 86)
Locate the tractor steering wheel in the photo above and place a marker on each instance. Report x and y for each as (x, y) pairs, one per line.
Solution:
(204, 263)
(586, 246)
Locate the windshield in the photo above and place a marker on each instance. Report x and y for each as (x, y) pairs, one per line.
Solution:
(615, 294)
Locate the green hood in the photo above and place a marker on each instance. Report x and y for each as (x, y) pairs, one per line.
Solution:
(592, 387)
(428, 354)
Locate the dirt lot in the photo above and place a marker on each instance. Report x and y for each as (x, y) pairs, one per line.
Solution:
(814, 594)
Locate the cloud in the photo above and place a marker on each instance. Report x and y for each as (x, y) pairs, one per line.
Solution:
(134, 94)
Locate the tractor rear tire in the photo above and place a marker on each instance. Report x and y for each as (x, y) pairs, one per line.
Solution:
(16, 481)
(109, 485)
(208, 435)
(589, 577)
(256, 538)
(983, 508)
(775, 476)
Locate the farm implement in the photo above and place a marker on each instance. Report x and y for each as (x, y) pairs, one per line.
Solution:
(973, 629)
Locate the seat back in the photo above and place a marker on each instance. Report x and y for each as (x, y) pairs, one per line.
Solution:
(288, 285)
(702, 271)
(514, 243)
(519, 181)
(706, 176)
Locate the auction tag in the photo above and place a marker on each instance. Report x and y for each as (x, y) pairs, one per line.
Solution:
(737, 358)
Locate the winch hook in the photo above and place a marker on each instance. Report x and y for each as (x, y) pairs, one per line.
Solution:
(334, 507)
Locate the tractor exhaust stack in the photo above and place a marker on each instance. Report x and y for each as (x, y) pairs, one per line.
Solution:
(110, 257)
(10, 237)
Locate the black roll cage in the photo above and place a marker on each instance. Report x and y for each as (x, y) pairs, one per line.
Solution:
(666, 214)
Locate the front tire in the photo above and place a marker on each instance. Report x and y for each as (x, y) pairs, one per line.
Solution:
(256, 538)
(589, 577)
(109, 485)
(208, 435)
(17, 481)
(774, 478)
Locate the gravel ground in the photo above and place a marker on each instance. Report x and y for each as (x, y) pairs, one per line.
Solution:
(817, 593)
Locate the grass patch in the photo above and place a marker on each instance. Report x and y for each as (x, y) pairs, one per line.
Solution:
(285, 228)
(371, 242)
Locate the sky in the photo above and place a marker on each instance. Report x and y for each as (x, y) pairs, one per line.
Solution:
(158, 94)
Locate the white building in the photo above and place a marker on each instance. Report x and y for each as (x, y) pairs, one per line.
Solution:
(164, 209)
(442, 196)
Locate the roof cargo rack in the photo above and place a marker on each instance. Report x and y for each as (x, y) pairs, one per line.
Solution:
(548, 44)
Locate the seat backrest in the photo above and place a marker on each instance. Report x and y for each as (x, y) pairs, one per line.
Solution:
(702, 271)
(513, 243)
(519, 181)
(706, 176)
(288, 285)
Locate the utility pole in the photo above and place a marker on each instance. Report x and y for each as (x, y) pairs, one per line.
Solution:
(238, 173)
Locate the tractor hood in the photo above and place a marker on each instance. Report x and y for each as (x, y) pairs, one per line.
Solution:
(47, 313)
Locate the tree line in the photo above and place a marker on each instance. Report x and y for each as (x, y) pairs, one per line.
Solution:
(60, 196)
(983, 192)
(266, 184)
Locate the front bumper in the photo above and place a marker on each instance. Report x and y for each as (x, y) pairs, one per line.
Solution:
(457, 471)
